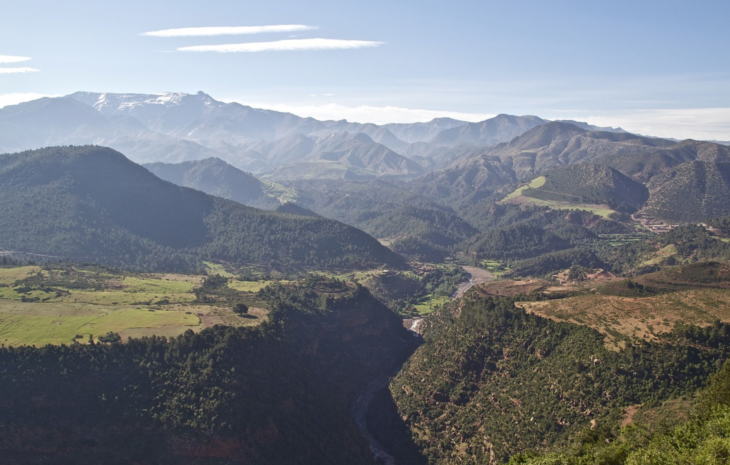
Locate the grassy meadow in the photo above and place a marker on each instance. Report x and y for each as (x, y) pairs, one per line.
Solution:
(518, 197)
(431, 303)
(41, 306)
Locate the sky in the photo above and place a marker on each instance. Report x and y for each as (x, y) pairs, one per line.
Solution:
(653, 67)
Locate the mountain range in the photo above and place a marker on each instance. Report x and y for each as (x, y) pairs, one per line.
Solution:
(179, 127)
(445, 160)
(596, 167)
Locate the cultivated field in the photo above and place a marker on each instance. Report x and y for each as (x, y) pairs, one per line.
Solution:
(62, 306)
(431, 303)
(518, 197)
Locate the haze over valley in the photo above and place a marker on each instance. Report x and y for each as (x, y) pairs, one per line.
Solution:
(327, 233)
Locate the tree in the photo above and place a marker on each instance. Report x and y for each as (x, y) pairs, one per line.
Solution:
(215, 282)
(577, 273)
(240, 309)
(110, 337)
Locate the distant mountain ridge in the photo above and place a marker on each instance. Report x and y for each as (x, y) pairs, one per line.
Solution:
(65, 121)
(554, 144)
(501, 128)
(216, 177)
(356, 152)
(590, 127)
(180, 127)
(201, 118)
(422, 132)
(541, 148)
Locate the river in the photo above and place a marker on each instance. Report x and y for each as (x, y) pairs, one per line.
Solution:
(360, 407)
(359, 413)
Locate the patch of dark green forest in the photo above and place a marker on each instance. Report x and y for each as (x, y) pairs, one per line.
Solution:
(9, 262)
(692, 191)
(274, 394)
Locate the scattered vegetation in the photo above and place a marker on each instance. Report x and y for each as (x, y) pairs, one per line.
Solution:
(492, 380)
(587, 183)
(703, 438)
(690, 192)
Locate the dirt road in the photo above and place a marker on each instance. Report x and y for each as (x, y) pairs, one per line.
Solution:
(476, 276)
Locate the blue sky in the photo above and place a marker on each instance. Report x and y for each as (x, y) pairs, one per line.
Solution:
(655, 67)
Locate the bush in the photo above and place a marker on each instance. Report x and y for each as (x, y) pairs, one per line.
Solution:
(110, 337)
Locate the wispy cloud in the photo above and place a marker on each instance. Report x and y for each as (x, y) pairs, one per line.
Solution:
(227, 31)
(284, 45)
(370, 114)
(17, 70)
(12, 59)
(16, 98)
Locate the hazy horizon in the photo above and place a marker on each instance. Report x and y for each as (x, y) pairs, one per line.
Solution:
(651, 68)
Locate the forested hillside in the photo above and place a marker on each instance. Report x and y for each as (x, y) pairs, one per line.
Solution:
(412, 224)
(669, 433)
(689, 243)
(692, 191)
(92, 204)
(275, 394)
(216, 177)
(591, 184)
(467, 181)
(492, 381)
(643, 167)
(522, 240)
